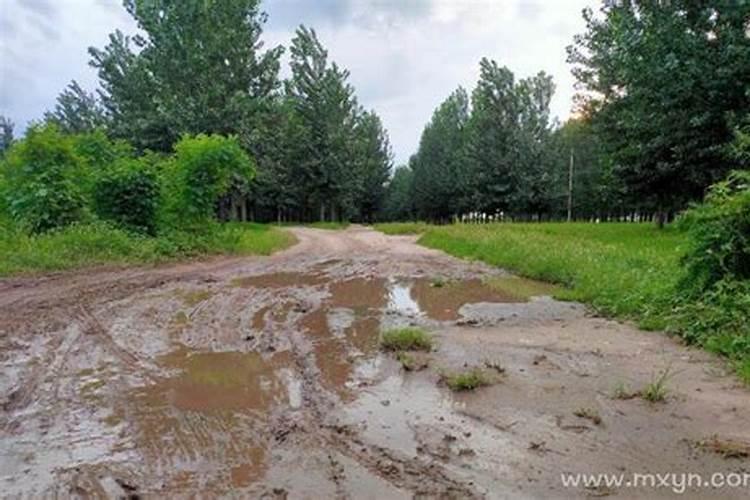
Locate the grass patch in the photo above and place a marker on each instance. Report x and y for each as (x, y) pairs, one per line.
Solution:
(466, 380)
(626, 270)
(86, 245)
(406, 339)
(656, 391)
(400, 228)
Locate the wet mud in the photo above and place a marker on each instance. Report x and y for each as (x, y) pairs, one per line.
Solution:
(263, 378)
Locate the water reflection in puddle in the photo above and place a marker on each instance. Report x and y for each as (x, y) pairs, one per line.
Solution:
(400, 299)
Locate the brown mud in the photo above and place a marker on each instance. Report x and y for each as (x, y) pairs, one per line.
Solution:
(262, 378)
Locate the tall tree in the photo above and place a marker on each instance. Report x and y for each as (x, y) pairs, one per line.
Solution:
(6, 134)
(199, 68)
(374, 161)
(77, 111)
(438, 162)
(665, 81)
(399, 200)
(325, 103)
(490, 139)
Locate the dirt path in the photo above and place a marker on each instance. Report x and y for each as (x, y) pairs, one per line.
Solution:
(262, 378)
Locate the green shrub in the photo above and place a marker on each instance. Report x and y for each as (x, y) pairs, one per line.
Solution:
(128, 194)
(205, 168)
(42, 180)
(720, 235)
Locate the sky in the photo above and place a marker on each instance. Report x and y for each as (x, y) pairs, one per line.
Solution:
(404, 56)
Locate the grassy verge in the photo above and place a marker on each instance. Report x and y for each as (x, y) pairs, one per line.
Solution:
(95, 244)
(623, 270)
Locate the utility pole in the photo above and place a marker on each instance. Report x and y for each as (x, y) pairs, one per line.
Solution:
(570, 188)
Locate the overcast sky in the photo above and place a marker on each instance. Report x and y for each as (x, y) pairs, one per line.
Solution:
(405, 56)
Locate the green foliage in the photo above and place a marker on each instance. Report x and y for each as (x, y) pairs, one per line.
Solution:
(198, 68)
(720, 235)
(406, 339)
(128, 194)
(82, 245)
(77, 111)
(435, 166)
(205, 168)
(712, 304)
(42, 180)
(642, 64)
(398, 203)
(6, 134)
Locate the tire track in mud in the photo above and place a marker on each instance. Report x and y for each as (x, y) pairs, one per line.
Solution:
(420, 477)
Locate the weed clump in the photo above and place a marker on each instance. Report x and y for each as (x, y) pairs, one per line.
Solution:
(467, 380)
(406, 339)
(656, 391)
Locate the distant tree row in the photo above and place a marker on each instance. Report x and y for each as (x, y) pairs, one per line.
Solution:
(199, 67)
(664, 105)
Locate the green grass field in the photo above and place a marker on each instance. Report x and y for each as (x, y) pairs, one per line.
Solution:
(95, 244)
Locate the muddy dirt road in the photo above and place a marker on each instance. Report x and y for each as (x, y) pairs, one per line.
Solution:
(262, 378)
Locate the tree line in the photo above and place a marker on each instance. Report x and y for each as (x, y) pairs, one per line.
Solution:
(200, 67)
(664, 103)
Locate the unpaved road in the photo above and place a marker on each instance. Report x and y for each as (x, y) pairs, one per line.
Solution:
(261, 378)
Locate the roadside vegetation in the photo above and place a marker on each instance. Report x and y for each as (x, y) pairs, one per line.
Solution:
(74, 200)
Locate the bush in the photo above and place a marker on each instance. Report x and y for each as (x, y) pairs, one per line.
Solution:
(720, 235)
(128, 194)
(41, 180)
(205, 167)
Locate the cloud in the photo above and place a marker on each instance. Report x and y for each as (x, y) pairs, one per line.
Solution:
(405, 56)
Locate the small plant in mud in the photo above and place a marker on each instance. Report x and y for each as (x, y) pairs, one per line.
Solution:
(406, 339)
(621, 390)
(656, 391)
(411, 362)
(438, 282)
(589, 414)
(467, 380)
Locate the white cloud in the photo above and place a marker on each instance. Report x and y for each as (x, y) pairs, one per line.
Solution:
(404, 56)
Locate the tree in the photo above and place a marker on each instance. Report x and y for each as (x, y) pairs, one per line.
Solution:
(398, 203)
(6, 134)
(42, 176)
(438, 163)
(665, 82)
(490, 140)
(77, 111)
(325, 104)
(198, 69)
(374, 161)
